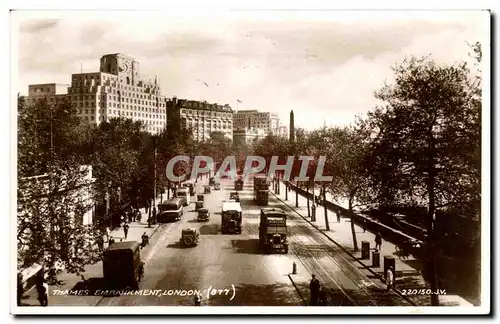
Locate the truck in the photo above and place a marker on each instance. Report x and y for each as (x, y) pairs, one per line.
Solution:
(261, 189)
(183, 193)
(231, 217)
(272, 230)
(122, 265)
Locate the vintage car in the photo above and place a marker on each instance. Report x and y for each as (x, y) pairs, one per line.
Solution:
(200, 197)
(238, 184)
(211, 181)
(190, 237)
(207, 189)
(198, 205)
(217, 186)
(233, 195)
(203, 215)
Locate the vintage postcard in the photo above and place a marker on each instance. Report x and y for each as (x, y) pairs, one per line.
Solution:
(244, 161)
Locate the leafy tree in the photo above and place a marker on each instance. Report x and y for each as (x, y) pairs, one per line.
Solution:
(117, 147)
(54, 192)
(345, 149)
(428, 138)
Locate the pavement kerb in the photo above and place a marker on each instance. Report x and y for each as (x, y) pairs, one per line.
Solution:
(297, 288)
(343, 249)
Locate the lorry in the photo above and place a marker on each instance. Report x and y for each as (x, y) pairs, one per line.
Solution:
(272, 230)
(231, 217)
(122, 265)
(183, 193)
(261, 189)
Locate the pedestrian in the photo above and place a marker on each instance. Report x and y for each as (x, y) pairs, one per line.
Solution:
(134, 214)
(197, 299)
(364, 225)
(129, 215)
(20, 288)
(108, 233)
(125, 229)
(42, 290)
(389, 278)
(378, 241)
(111, 241)
(338, 216)
(100, 243)
(154, 215)
(314, 287)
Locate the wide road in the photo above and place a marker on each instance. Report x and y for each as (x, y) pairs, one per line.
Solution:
(230, 270)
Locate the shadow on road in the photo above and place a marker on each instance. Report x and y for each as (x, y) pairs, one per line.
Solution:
(278, 294)
(177, 245)
(91, 285)
(249, 246)
(209, 229)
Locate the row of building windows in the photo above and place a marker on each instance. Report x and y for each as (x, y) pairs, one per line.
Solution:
(206, 113)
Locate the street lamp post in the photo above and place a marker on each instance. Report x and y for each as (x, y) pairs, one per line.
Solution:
(296, 196)
(313, 217)
(308, 208)
(154, 181)
(324, 207)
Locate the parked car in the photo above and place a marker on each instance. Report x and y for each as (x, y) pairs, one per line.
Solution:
(217, 186)
(207, 189)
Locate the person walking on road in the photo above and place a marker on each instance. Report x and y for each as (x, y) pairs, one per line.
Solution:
(378, 241)
(314, 287)
(338, 216)
(111, 241)
(389, 278)
(364, 225)
(125, 229)
(154, 215)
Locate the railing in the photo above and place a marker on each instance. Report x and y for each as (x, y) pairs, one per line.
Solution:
(388, 233)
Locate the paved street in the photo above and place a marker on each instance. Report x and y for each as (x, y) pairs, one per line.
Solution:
(221, 262)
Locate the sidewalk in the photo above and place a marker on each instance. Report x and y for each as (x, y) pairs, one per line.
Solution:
(408, 271)
(59, 294)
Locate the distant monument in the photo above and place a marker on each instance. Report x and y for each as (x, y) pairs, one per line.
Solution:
(292, 128)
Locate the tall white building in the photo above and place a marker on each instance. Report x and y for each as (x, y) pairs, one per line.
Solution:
(117, 90)
(267, 122)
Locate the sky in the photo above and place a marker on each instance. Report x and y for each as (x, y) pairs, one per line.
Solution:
(323, 65)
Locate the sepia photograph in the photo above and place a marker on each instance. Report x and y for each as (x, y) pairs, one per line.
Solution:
(250, 162)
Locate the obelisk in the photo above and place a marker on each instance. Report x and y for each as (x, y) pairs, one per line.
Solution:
(292, 128)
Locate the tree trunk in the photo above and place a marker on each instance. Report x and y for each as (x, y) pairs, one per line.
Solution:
(431, 242)
(353, 230)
